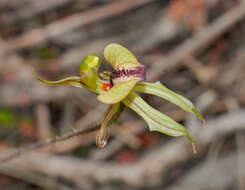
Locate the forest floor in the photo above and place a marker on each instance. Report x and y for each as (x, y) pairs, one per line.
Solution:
(194, 47)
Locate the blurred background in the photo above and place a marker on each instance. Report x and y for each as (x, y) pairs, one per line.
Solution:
(194, 47)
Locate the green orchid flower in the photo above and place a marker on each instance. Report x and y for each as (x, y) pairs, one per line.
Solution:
(119, 89)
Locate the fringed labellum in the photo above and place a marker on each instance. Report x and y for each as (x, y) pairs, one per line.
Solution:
(122, 75)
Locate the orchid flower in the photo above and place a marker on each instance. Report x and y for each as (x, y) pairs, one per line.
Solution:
(120, 88)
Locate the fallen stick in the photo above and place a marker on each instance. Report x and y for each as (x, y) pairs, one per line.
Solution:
(218, 175)
(147, 171)
(197, 42)
(61, 27)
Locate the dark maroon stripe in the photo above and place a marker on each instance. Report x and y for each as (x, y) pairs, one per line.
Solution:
(138, 72)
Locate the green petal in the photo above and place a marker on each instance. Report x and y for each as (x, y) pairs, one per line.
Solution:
(110, 117)
(90, 63)
(160, 90)
(118, 92)
(73, 81)
(119, 56)
(88, 70)
(156, 120)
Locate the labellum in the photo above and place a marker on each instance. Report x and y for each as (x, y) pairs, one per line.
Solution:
(122, 75)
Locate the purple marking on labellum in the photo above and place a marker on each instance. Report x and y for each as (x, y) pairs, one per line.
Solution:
(138, 72)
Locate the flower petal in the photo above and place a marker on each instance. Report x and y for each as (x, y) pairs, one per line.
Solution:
(156, 120)
(160, 90)
(73, 81)
(90, 63)
(118, 92)
(111, 115)
(119, 56)
(88, 70)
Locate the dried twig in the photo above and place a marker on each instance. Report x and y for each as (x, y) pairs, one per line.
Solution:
(199, 178)
(63, 137)
(199, 41)
(240, 140)
(33, 8)
(33, 178)
(142, 173)
(75, 21)
(43, 121)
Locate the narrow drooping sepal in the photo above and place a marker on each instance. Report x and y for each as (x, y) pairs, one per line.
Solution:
(156, 120)
(73, 81)
(111, 115)
(118, 92)
(119, 57)
(162, 91)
